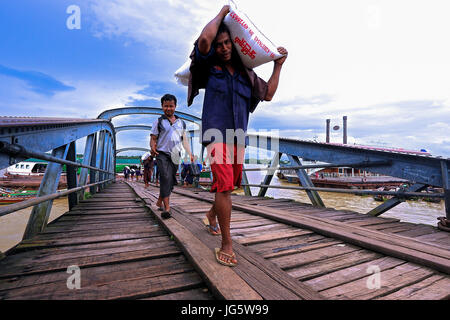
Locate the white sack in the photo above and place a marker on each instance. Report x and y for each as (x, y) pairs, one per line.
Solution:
(182, 74)
(145, 156)
(253, 47)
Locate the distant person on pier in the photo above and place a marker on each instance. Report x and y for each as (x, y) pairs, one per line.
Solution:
(138, 173)
(167, 136)
(132, 173)
(126, 172)
(232, 91)
(147, 163)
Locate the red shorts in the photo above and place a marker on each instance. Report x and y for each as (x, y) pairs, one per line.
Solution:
(226, 166)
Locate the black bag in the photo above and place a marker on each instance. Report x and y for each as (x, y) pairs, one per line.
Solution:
(195, 171)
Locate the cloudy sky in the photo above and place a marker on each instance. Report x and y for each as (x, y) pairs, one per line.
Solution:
(383, 64)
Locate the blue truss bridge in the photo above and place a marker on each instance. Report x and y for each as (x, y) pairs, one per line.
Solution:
(114, 244)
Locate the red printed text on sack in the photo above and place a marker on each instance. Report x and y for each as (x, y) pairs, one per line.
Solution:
(246, 49)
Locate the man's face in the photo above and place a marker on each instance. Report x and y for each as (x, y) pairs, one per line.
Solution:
(169, 108)
(223, 46)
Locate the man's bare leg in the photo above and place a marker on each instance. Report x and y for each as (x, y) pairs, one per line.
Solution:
(222, 207)
(211, 215)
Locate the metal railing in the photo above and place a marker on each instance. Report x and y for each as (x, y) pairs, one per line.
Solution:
(22, 138)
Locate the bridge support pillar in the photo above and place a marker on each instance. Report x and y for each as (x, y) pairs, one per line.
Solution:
(41, 212)
(269, 176)
(72, 175)
(93, 173)
(100, 156)
(86, 161)
(305, 181)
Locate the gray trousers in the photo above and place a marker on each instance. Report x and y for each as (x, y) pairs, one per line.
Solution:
(167, 174)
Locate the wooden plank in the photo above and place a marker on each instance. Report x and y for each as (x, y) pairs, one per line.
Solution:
(299, 259)
(435, 287)
(273, 235)
(94, 276)
(105, 211)
(265, 277)
(234, 288)
(194, 294)
(322, 267)
(48, 243)
(258, 230)
(39, 257)
(10, 271)
(402, 247)
(343, 276)
(96, 245)
(130, 289)
(391, 281)
(301, 244)
(88, 233)
(75, 227)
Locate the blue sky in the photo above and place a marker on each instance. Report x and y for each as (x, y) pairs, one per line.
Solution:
(383, 64)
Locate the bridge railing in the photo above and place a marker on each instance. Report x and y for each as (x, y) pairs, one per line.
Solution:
(422, 170)
(22, 138)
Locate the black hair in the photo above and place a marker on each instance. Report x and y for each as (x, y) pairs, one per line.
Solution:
(168, 97)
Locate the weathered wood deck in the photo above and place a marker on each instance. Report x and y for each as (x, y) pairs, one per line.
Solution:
(286, 250)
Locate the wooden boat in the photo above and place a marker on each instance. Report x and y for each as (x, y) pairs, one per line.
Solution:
(13, 196)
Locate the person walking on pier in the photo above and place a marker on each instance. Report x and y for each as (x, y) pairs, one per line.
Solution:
(167, 136)
(232, 91)
(147, 163)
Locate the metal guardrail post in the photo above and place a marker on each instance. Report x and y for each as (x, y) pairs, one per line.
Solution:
(314, 196)
(446, 187)
(99, 159)
(92, 173)
(105, 158)
(41, 212)
(389, 204)
(269, 175)
(86, 161)
(72, 175)
(247, 190)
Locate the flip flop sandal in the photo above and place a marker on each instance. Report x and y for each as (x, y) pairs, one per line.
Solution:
(228, 264)
(165, 215)
(215, 231)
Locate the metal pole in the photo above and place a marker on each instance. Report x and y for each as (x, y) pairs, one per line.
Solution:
(18, 150)
(446, 186)
(71, 174)
(268, 178)
(41, 212)
(345, 130)
(328, 131)
(86, 161)
(92, 173)
(354, 191)
(389, 204)
(100, 152)
(39, 200)
(306, 182)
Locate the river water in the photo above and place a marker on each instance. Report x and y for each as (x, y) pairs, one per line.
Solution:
(12, 226)
(408, 211)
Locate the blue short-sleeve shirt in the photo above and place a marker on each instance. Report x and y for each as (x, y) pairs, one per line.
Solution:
(227, 98)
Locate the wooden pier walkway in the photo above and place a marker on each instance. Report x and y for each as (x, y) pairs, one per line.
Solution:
(285, 250)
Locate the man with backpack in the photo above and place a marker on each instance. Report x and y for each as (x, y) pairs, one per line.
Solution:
(167, 135)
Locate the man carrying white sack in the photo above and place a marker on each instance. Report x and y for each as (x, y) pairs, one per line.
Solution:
(232, 91)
